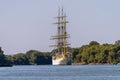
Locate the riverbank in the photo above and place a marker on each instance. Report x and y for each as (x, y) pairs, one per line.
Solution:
(94, 64)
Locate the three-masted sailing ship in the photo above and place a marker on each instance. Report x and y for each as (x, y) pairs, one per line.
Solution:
(62, 56)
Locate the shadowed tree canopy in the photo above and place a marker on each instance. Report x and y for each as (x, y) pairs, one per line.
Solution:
(39, 58)
(117, 42)
(20, 59)
(32, 57)
(2, 57)
(93, 43)
(4, 61)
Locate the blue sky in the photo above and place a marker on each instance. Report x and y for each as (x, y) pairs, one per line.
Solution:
(27, 24)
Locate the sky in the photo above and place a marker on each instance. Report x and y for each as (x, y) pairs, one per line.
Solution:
(28, 24)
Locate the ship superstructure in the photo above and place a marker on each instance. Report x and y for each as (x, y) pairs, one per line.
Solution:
(61, 56)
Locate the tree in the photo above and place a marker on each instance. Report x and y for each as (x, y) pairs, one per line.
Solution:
(39, 58)
(20, 59)
(2, 57)
(4, 61)
(74, 53)
(31, 55)
(117, 42)
(93, 43)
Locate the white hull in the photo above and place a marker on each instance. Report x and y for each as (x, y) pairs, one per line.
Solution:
(62, 61)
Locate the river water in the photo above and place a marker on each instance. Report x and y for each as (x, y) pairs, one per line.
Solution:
(80, 72)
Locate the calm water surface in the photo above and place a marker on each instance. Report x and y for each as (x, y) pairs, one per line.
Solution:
(81, 72)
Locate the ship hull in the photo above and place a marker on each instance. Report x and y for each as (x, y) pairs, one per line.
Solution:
(62, 61)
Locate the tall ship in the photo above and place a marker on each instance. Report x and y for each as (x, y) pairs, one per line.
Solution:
(61, 56)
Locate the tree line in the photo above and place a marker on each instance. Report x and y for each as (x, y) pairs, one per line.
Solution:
(93, 53)
(31, 57)
(96, 53)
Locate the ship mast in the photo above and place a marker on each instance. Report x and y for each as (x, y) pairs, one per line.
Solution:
(62, 35)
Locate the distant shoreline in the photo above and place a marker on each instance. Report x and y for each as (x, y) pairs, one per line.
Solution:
(94, 64)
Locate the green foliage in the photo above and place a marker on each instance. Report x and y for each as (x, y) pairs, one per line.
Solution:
(20, 59)
(117, 42)
(31, 57)
(2, 57)
(39, 58)
(93, 43)
(96, 53)
(74, 53)
(4, 60)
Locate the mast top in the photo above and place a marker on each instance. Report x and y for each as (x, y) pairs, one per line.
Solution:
(62, 35)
